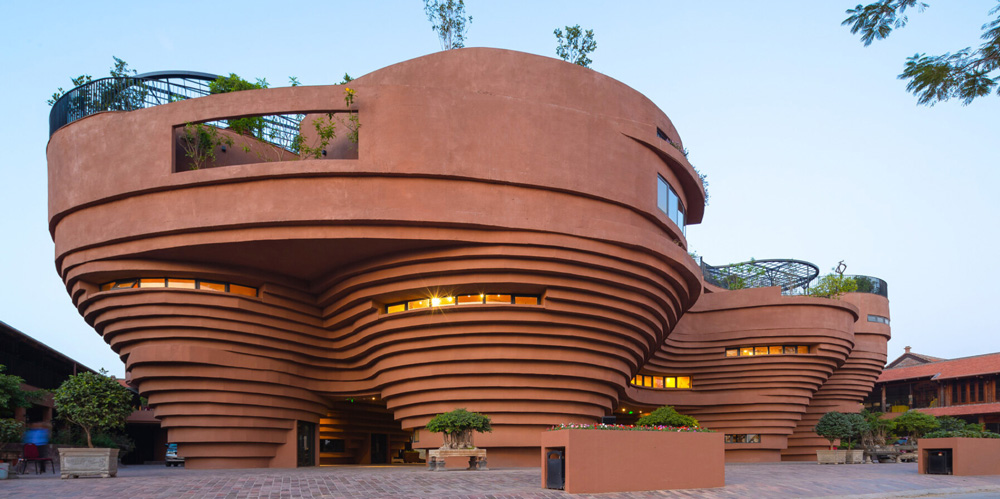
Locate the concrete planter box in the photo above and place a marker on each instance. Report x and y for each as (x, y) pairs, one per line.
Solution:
(828, 456)
(969, 456)
(599, 461)
(854, 456)
(76, 462)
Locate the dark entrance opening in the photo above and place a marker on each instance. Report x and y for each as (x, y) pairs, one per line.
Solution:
(380, 448)
(306, 444)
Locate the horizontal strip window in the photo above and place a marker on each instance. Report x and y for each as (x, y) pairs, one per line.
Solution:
(459, 300)
(644, 381)
(669, 202)
(742, 438)
(878, 318)
(767, 350)
(175, 283)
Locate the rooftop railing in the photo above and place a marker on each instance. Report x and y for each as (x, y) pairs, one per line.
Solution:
(153, 89)
(869, 284)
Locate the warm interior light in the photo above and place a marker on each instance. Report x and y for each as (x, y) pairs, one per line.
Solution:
(435, 301)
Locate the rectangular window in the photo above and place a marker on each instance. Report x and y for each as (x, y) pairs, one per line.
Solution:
(658, 382)
(672, 203)
(732, 352)
(789, 350)
(803, 349)
(647, 381)
(498, 299)
(746, 351)
(670, 382)
(152, 283)
(416, 304)
(684, 382)
(126, 284)
(774, 350)
(730, 439)
(661, 194)
(469, 299)
(753, 438)
(526, 300)
(243, 290)
(443, 301)
(679, 220)
(212, 286)
(107, 286)
(760, 350)
(180, 283)
(399, 307)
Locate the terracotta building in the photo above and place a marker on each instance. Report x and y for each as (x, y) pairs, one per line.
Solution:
(965, 388)
(504, 232)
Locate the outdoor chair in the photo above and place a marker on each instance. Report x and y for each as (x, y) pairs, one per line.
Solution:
(30, 455)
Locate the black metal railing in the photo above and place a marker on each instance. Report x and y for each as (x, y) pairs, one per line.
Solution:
(153, 89)
(869, 284)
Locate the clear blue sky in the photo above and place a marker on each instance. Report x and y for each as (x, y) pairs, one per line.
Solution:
(813, 148)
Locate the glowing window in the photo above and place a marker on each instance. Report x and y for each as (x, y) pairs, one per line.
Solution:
(126, 284)
(498, 299)
(212, 286)
(732, 352)
(789, 350)
(152, 283)
(803, 349)
(415, 304)
(774, 350)
(683, 382)
(399, 307)
(526, 300)
(647, 381)
(443, 301)
(242, 290)
(106, 286)
(469, 299)
(746, 351)
(671, 382)
(181, 283)
(760, 350)
(658, 382)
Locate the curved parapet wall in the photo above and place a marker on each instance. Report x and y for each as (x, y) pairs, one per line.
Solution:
(804, 341)
(852, 382)
(466, 181)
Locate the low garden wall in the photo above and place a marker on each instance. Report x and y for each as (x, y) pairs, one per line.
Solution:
(969, 456)
(620, 461)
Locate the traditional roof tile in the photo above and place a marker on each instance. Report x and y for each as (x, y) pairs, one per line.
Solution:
(946, 369)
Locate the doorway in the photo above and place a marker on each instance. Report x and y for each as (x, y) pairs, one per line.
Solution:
(380, 448)
(306, 444)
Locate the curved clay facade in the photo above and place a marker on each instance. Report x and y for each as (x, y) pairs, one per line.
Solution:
(492, 243)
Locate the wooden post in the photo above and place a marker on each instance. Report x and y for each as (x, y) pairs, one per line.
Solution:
(910, 396)
(883, 397)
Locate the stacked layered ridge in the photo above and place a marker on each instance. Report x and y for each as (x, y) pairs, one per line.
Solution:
(498, 244)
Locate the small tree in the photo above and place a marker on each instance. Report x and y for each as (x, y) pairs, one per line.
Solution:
(575, 45)
(94, 402)
(832, 426)
(876, 429)
(11, 430)
(859, 426)
(448, 20)
(12, 396)
(914, 424)
(833, 285)
(666, 416)
(457, 427)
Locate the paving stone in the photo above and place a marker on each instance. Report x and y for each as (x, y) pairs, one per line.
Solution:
(768, 480)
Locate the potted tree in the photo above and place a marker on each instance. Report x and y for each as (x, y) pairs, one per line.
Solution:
(94, 402)
(457, 427)
(832, 426)
(858, 427)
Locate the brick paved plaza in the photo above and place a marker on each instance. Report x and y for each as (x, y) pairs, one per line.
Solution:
(742, 480)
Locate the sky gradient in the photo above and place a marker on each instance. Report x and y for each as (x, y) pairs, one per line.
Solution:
(812, 147)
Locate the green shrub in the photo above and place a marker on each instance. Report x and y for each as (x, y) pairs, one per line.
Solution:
(459, 420)
(833, 285)
(666, 416)
(11, 430)
(914, 424)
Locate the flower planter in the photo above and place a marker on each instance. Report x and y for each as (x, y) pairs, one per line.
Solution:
(77, 462)
(969, 456)
(599, 461)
